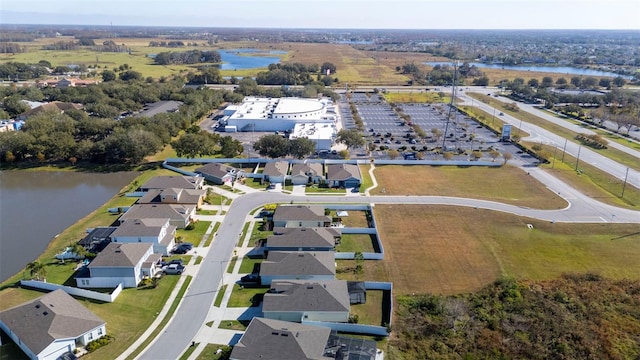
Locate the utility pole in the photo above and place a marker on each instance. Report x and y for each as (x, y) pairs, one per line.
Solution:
(578, 158)
(563, 150)
(625, 182)
(554, 157)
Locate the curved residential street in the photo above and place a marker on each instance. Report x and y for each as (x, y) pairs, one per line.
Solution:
(192, 313)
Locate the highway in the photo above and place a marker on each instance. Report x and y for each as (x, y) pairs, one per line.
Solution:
(543, 136)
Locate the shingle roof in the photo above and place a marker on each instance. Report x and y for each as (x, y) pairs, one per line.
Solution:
(52, 106)
(140, 227)
(314, 169)
(55, 315)
(121, 255)
(300, 213)
(158, 211)
(183, 196)
(276, 168)
(182, 182)
(343, 172)
(301, 295)
(310, 237)
(217, 170)
(298, 263)
(267, 339)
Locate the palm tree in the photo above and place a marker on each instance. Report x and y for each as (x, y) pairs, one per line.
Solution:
(36, 270)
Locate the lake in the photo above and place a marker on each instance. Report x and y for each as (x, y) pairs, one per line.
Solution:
(569, 70)
(35, 206)
(236, 59)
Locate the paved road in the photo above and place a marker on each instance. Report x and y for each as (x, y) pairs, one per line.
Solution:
(200, 296)
(546, 137)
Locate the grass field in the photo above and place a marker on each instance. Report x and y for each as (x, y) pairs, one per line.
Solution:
(416, 97)
(356, 243)
(514, 186)
(242, 297)
(457, 250)
(369, 313)
(356, 218)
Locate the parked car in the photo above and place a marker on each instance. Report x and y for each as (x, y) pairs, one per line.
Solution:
(174, 269)
(182, 249)
(250, 279)
(186, 244)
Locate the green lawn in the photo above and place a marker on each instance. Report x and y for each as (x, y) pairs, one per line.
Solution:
(245, 228)
(219, 296)
(369, 313)
(316, 189)
(209, 352)
(248, 265)
(257, 234)
(254, 183)
(356, 243)
(234, 325)
(232, 264)
(195, 235)
(241, 297)
(213, 232)
(366, 178)
(206, 212)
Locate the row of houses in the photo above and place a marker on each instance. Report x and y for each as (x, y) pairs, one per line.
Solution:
(336, 175)
(300, 271)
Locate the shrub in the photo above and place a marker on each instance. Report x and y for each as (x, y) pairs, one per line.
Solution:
(98, 343)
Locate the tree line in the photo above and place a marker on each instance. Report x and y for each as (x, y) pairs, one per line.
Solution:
(187, 57)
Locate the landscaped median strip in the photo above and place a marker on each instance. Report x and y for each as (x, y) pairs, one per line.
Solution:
(165, 320)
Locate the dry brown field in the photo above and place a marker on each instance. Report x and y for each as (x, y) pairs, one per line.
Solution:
(505, 184)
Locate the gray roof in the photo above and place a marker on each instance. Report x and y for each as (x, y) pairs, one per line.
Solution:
(53, 316)
(160, 107)
(165, 196)
(301, 295)
(158, 211)
(267, 339)
(276, 168)
(121, 255)
(216, 170)
(98, 234)
(298, 263)
(182, 182)
(300, 213)
(310, 169)
(343, 172)
(140, 227)
(310, 237)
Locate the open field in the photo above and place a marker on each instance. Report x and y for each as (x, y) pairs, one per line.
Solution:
(417, 97)
(457, 250)
(514, 186)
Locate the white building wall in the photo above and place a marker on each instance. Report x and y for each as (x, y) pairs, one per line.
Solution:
(106, 282)
(56, 349)
(92, 335)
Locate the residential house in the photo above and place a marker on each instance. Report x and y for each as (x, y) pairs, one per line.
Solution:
(303, 239)
(166, 182)
(343, 175)
(219, 174)
(300, 216)
(267, 339)
(302, 174)
(51, 326)
(125, 264)
(298, 265)
(54, 106)
(71, 82)
(302, 300)
(275, 171)
(97, 238)
(193, 197)
(158, 232)
(179, 215)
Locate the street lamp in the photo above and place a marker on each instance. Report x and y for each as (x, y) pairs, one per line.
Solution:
(578, 158)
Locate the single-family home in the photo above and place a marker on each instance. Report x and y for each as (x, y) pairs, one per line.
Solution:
(298, 265)
(179, 215)
(219, 174)
(71, 82)
(165, 182)
(275, 171)
(51, 326)
(303, 239)
(268, 339)
(302, 174)
(174, 196)
(125, 264)
(54, 106)
(303, 300)
(343, 175)
(158, 232)
(300, 216)
(97, 238)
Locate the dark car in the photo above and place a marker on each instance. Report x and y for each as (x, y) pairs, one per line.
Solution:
(180, 249)
(251, 278)
(188, 245)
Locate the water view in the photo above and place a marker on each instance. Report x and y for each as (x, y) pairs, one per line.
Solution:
(236, 59)
(36, 206)
(569, 70)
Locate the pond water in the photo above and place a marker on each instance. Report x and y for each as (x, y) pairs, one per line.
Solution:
(569, 70)
(35, 206)
(237, 59)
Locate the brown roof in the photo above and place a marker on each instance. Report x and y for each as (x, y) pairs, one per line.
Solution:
(121, 255)
(276, 168)
(53, 316)
(312, 169)
(343, 172)
(57, 106)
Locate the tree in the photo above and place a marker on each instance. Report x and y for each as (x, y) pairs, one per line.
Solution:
(533, 83)
(494, 154)
(108, 75)
(547, 81)
(36, 270)
(477, 155)
(448, 155)
(130, 75)
(352, 138)
(328, 66)
(393, 154)
(301, 147)
(230, 147)
(605, 82)
(273, 146)
(561, 81)
(619, 81)
(506, 156)
(576, 81)
(590, 82)
(437, 133)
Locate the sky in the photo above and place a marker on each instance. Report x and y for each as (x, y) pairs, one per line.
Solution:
(331, 14)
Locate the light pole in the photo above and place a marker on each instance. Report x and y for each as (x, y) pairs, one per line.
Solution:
(554, 157)
(578, 158)
(625, 182)
(563, 150)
